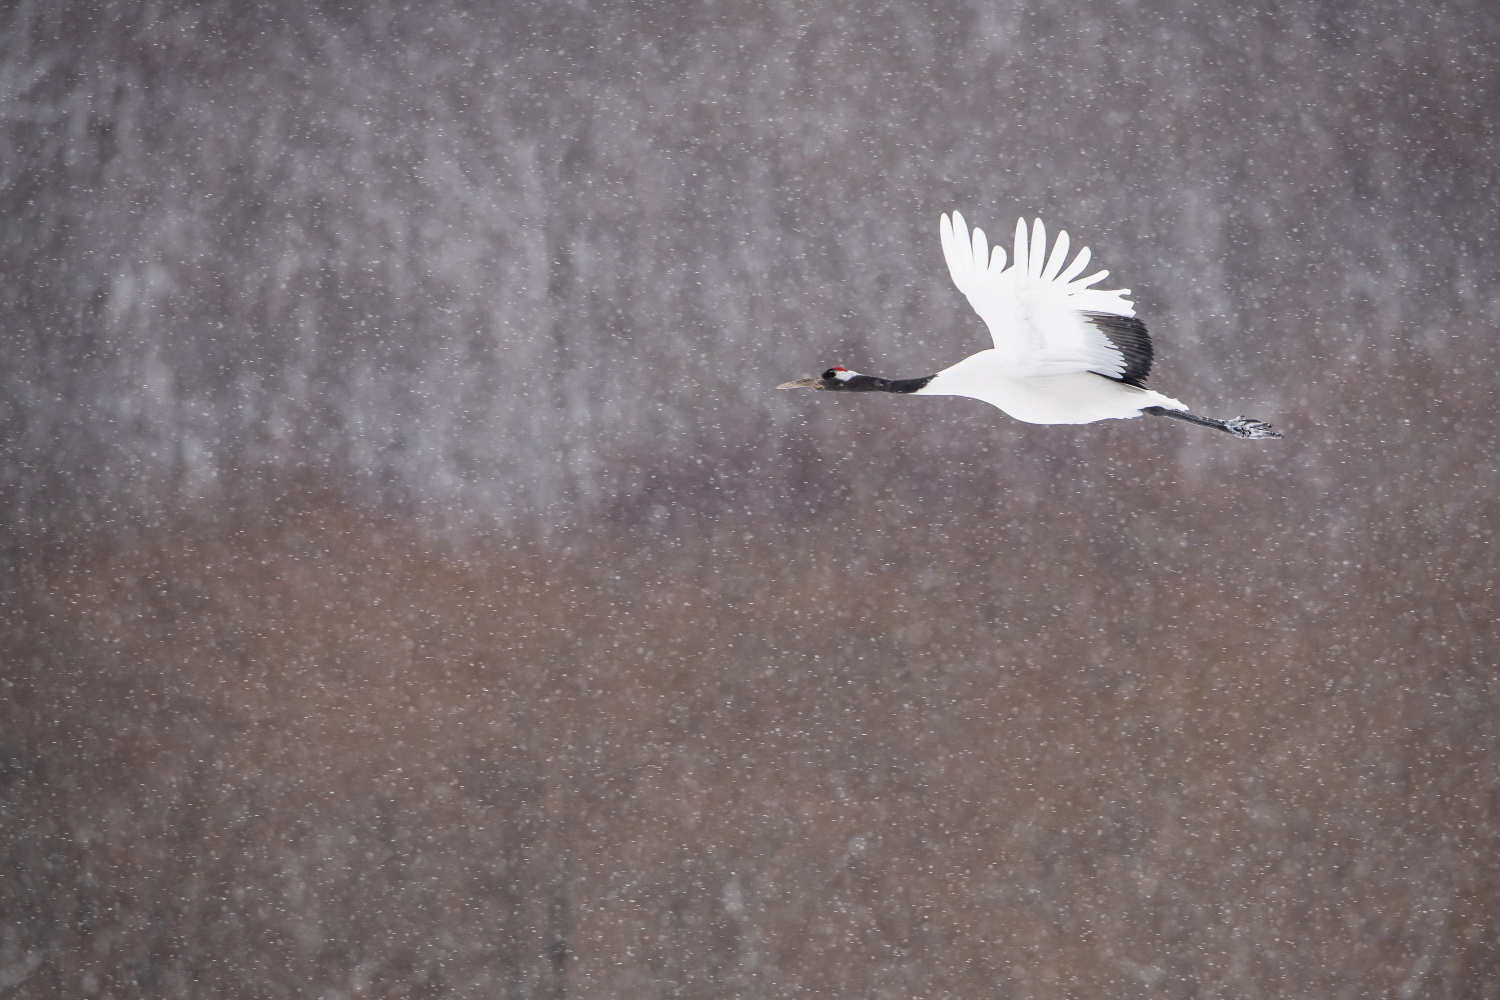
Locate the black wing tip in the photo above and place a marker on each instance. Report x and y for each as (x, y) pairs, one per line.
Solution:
(1130, 338)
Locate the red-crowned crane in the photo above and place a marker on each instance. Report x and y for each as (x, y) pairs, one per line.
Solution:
(1064, 353)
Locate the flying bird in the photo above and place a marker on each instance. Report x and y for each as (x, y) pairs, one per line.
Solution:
(1065, 352)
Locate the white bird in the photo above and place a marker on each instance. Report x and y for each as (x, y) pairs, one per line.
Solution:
(1065, 352)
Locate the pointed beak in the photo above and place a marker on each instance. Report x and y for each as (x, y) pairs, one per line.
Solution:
(803, 383)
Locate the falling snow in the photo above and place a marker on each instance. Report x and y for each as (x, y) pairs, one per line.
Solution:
(414, 585)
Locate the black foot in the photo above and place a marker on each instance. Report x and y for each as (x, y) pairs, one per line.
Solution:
(1244, 427)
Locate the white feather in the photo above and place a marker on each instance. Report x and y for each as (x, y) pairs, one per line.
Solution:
(1048, 356)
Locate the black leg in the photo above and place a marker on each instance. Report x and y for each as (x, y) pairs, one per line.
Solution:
(1242, 427)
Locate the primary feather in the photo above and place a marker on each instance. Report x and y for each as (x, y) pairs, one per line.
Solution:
(1055, 334)
(1037, 313)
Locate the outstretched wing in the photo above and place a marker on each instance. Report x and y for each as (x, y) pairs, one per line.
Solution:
(1044, 318)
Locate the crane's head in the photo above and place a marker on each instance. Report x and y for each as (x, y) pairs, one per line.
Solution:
(837, 378)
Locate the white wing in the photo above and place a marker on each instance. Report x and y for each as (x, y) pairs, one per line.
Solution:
(1035, 308)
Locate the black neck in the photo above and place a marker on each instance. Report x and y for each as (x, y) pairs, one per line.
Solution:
(874, 383)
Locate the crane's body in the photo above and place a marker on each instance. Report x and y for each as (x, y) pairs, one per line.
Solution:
(1065, 352)
(1063, 398)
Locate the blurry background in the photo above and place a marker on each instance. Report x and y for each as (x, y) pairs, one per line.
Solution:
(414, 586)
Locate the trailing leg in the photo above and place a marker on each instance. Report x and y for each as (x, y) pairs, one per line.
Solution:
(1242, 427)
